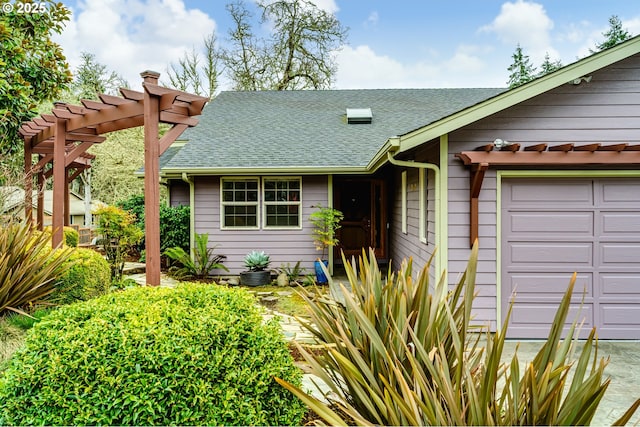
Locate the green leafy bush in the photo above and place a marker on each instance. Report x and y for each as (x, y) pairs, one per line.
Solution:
(174, 222)
(194, 355)
(399, 352)
(118, 234)
(86, 275)
(28, 269)
(71, 237)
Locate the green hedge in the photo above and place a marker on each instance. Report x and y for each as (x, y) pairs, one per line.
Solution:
(193, 355)
(87, 275)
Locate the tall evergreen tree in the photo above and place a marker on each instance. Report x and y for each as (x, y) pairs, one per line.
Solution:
(614, 35)
(549, 66)
(521, 70)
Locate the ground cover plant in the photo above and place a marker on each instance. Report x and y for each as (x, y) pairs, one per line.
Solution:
(194, 355)
(398, 352)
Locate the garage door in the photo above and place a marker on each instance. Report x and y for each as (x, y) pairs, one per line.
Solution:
(553, 227)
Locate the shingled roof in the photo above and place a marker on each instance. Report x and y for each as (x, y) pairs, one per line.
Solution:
(308, 130)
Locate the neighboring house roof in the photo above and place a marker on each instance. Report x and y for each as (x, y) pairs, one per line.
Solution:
(13, 197)
(307, 131)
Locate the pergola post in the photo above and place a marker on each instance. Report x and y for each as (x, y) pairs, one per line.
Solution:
(59, 182)
(67, 207)
(40, 208)
(151, 179)
(28, 184)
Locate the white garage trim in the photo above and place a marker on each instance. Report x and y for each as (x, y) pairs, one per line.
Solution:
(500, 175)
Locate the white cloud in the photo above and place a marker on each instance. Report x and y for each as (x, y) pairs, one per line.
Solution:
(525, 23)
(372, 19)
(362, 68)
(328, 6)
(130, 36)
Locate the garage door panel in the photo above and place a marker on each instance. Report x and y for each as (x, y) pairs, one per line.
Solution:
(577, 192)
(616, 224)
(549, 253)
(543, 314)
(617, 284)
(549, 286)
(618, 192)
(620, 254)
(620, 315)
(552, 222)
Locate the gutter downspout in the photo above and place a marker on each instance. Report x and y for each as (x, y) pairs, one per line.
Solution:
(192, 210)
(436, 170)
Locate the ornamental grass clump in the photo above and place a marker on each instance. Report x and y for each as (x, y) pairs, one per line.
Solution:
(398, 352)
(194, 355)
(29, 268)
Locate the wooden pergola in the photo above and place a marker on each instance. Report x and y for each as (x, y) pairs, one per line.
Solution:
(61, 139)
(540, 155)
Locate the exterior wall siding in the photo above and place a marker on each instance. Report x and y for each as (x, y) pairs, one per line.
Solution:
(409, 245)
(283, 246)
(604, 110)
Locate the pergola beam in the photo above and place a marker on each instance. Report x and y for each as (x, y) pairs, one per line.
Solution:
(63, 138)
(538, 155)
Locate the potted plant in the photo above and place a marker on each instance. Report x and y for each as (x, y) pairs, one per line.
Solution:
(325, 222)
(257, 274)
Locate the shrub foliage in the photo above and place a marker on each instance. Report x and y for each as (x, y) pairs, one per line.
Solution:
(86, 275)
(193, 355)
(399, 352)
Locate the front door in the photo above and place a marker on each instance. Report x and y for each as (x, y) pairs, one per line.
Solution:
(363, 202)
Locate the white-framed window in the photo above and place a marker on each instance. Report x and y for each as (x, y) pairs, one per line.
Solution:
(404, 201)
(267, 202)
(240, 202)
(282, 202)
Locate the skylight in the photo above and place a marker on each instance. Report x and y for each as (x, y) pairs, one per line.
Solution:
(359, 115)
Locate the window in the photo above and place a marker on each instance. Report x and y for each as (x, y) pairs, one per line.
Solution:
(282, 206)
(280, 198)
(240, 203)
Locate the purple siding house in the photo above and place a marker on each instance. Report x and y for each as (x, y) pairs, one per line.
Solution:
(546, 176)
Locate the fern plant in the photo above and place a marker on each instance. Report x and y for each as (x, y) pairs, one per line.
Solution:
(204, 259)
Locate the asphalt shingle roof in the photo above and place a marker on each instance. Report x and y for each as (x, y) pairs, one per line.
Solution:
(290, 129)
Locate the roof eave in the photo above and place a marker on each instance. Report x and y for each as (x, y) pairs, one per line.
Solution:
(519, 94)
(311, 170)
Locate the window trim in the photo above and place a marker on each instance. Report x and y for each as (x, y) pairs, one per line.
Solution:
(264, 203)
(404, 201)
(423, 201)
(257, 203)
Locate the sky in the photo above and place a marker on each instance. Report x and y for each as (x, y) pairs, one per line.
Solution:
(391, 43)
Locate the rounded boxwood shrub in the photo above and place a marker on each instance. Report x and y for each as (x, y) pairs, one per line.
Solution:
(87, 275)
(197, 354)
(71, 237)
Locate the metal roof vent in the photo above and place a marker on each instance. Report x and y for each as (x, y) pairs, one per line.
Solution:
(359, 115)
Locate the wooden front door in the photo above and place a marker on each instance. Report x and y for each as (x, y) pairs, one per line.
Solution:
(363, 203)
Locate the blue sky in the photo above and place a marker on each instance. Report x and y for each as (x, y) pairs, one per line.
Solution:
(391, 44)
